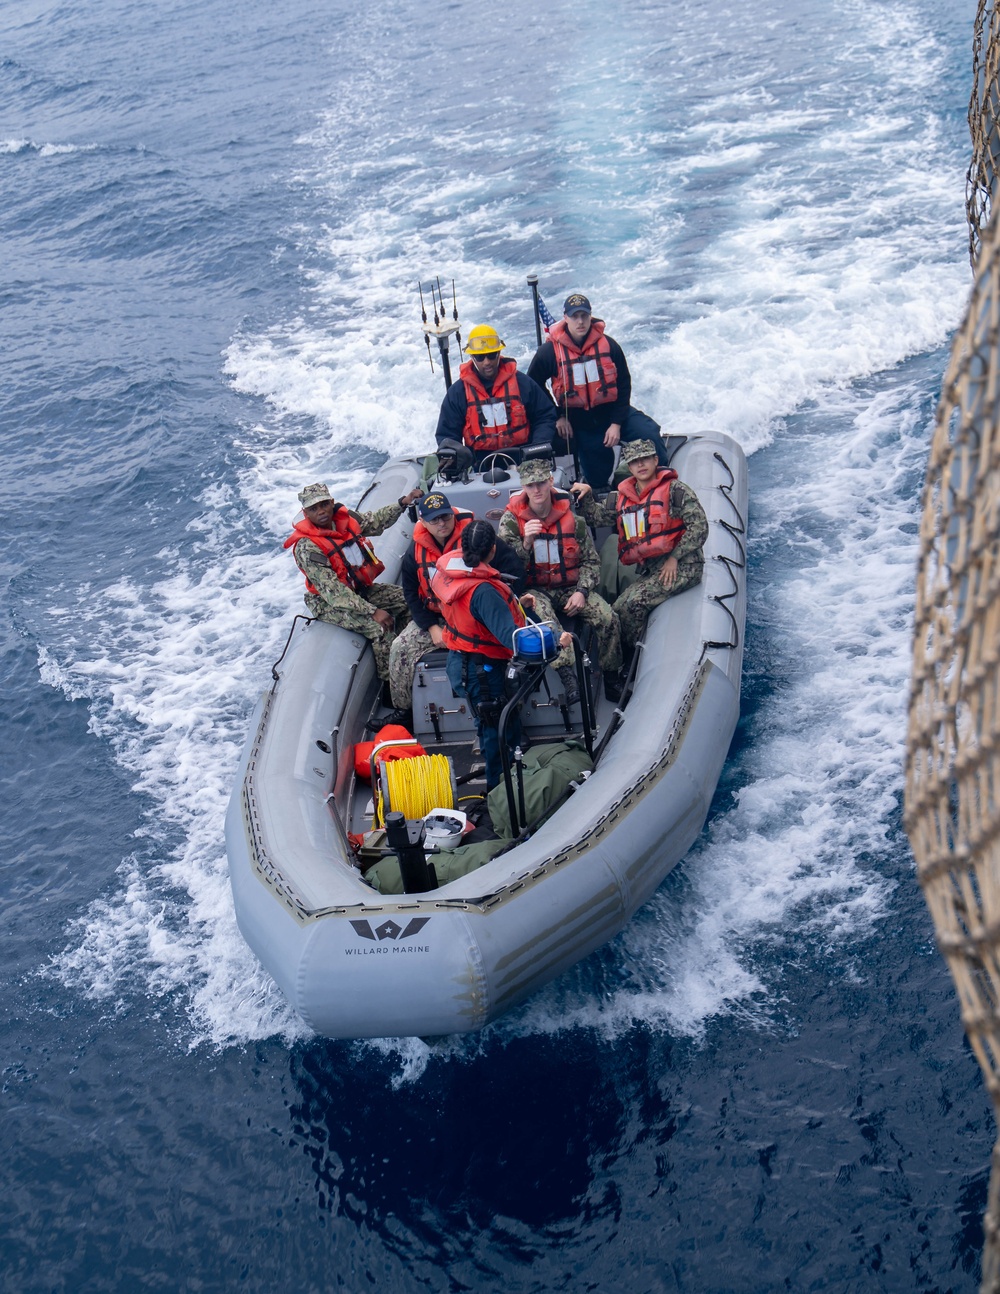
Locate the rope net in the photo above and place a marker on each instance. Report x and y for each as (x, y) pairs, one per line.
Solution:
(984, 116)
(952, 803)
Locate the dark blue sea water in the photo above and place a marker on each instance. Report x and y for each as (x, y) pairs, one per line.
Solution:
(213, 219)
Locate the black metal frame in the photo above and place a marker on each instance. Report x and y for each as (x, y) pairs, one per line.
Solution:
(531, 680)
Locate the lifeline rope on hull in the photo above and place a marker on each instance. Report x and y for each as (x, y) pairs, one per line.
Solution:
(952, 800)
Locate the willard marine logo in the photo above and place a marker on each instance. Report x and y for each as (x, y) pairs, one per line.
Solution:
(390, 929)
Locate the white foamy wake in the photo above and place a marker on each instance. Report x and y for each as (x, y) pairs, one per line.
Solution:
(171, 672)
(794, 870)
(833, 258)
(43, 150)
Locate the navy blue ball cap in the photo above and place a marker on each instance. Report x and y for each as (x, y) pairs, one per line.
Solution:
(433, 505)
(575, 303)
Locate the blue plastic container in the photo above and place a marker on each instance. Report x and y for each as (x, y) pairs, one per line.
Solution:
(535, 643)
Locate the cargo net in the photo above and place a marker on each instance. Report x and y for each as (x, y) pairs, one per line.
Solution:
(952, 803)
(984, 123)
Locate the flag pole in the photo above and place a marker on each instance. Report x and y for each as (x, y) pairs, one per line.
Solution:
(533, 284)
(571, 444)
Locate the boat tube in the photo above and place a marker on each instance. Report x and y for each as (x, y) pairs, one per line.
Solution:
(357, 963)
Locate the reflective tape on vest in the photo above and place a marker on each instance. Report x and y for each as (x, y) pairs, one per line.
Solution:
(585, 372)
(494, 415)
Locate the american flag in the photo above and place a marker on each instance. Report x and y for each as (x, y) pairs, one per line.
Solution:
(543, 313)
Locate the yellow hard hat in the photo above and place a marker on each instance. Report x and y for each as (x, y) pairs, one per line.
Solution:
(483, 340)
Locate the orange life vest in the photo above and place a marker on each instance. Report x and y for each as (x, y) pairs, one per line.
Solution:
(351, 557)
(454, 583)
(426, 552)
(586, 375)
(645, 526)
(389, 732)
(495, 419)
(554, 553)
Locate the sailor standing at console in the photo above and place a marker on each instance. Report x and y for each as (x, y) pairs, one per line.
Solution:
(331, 550)
(481, 615)
(563, 567)
(492, 406)
(592, 387)
(438, 531)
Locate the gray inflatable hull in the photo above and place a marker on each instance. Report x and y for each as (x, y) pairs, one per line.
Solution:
(358, 964)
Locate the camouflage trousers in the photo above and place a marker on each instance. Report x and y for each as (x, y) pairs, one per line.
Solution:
(406, 651)
(388, 597)
(634, 605)
(596, 612)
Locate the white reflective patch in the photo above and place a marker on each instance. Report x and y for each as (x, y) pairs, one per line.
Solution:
(634, 525)
(495, 415)
(584, 372)
(546, 552)
(353, 555)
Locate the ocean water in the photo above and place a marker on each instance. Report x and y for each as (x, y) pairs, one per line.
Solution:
(213, 222)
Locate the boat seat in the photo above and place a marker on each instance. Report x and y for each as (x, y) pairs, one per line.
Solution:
(438, 714)
(441, 716)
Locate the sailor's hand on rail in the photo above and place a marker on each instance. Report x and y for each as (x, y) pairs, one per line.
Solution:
(575, 603)
(382, 618)
(612, 436)
(406, 499)
(532, 528)
(668, 572)
(564, 428)
(580, 490)
(437, 635)
(565, 639)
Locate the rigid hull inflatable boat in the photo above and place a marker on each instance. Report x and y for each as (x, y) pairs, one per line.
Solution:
(357, 963)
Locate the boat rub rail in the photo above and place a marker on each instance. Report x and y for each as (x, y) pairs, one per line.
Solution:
(271, 876)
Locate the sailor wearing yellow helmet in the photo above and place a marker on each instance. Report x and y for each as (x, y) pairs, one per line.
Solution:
(492, 406)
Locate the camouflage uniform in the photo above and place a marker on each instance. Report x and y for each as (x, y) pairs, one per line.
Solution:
(549, 601)
(337, 604)
(634, 605)
(407, 649)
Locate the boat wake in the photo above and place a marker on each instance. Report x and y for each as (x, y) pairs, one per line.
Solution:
(755, 290)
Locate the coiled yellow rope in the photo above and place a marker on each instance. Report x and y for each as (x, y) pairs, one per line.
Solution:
(414, 786)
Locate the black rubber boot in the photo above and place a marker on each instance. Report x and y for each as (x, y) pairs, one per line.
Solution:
(614, 685)
(567, 677)
(401, 716)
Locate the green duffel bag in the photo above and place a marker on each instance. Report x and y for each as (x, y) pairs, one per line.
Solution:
(615, 578)
(449, 864)
(548, 771)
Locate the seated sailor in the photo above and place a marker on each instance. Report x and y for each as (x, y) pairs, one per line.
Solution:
(340, 567)
(492, 406)
(480, 614)
(562, 565)
(438, 531)
(662, 530)
(592, 388)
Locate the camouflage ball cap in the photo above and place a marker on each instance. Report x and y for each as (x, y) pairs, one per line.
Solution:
(317, 493)
(535, 470)
(633, 449)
